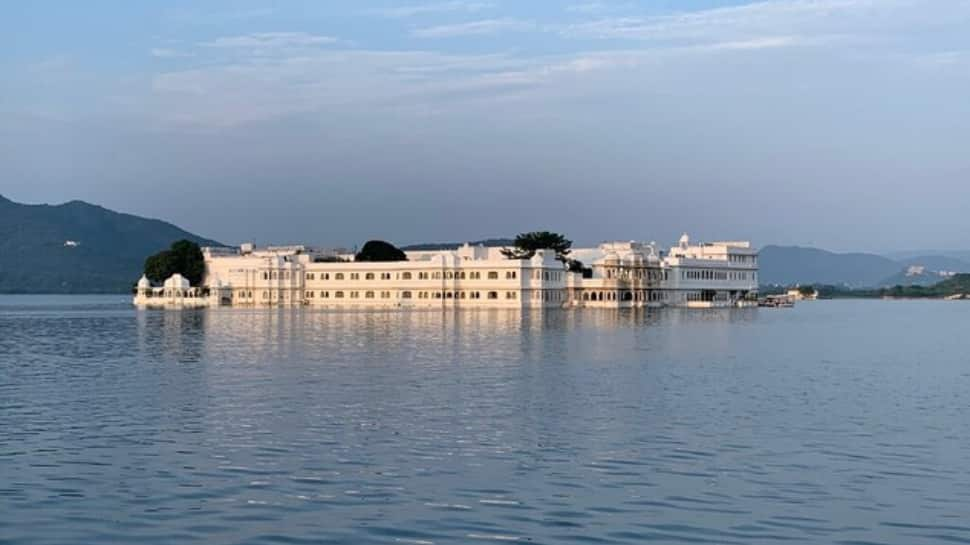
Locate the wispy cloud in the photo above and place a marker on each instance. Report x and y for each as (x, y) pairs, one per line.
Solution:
(167, 53)
(599, 8)
(272, 40)
(474, 28)
(439, 7)
(764, 20)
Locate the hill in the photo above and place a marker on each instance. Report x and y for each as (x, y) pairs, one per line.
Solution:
(437, 246)
(790, 265)
(955, 286)
(77, 247)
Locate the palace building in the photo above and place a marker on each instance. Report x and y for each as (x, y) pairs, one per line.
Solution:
(617, 275)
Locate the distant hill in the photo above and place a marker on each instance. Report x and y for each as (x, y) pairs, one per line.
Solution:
(790, 265)
(77, 247)
(437, 246)
(938, 263)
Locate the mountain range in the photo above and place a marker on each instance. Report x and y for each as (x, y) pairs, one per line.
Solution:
(791, 265)
(77, 247)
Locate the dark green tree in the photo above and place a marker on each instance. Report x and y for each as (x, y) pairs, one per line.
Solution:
(526, 245)
(378, 250)
(183, 257)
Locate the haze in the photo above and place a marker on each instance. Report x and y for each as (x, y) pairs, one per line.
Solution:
(836, 123)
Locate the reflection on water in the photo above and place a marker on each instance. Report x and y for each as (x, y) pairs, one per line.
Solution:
(837, 422)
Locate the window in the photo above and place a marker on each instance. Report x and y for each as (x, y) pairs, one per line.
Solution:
(462, 275)
(369, 295)
(493, 294)
(265, 275)
(309, 276)
(325, 294)
(338, 295)
(511, 295)
(369, 276)
(492, 275)
(405, 294)
(325, 276)
(354, 294)
(355, 276)
(385, 276)
(339, 276)
(510, 275)
(406, 276)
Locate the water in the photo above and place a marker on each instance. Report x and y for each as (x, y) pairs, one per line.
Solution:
(834, 422)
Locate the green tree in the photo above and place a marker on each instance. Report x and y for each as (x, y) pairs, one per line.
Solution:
(526, 245)
(183, 257)
(378, 250)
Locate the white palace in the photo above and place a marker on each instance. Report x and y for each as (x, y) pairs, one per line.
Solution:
(624, 274)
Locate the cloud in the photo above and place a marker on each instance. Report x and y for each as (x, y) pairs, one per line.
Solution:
(599, 7)
(165, 53)
(272, 40)
(425, 9)
(474, 28)
(807, 19)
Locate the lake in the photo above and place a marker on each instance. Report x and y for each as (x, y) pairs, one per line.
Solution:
(833, 422)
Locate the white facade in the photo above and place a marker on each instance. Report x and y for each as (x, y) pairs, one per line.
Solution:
(620, 274)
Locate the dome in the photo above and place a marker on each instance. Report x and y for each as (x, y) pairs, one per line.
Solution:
(144, 283)
(177, 281)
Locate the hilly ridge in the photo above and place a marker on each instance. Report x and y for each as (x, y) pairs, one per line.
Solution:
(36, 257)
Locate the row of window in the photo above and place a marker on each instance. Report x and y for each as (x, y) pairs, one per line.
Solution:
(624, 296)
(704, 274)
(748, 259)
(409, 295)
(637, 274)
(421, 275)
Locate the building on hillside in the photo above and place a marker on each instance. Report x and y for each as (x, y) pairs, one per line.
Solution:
(619, 275)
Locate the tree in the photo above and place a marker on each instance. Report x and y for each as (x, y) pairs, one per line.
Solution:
(378, 250)
(183, 257)
(526, 245)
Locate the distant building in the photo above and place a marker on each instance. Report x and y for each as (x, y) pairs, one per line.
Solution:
(796, 294)
(620, 274)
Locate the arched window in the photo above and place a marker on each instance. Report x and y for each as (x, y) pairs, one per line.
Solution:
(339, 276)
(369, 276)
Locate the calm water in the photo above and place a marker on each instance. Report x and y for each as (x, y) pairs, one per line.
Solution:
(834, 422)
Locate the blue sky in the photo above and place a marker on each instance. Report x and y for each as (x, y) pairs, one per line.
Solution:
(838, 123)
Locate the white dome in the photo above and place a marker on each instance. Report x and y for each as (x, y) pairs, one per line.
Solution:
(177, 281)
(143, 282)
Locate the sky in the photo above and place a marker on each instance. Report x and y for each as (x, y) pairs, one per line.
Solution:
(843, 124)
